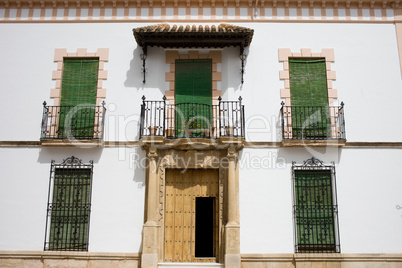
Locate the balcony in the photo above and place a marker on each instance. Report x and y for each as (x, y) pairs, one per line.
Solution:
(313, 125)
(192, 120)
(72, 124)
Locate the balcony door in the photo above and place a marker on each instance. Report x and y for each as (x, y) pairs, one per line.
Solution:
(309, 98)
(78, 98)
(193, 97)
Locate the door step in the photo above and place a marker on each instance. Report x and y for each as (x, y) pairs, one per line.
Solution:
(190, 265)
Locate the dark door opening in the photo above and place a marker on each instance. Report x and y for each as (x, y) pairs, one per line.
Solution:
(204, 227)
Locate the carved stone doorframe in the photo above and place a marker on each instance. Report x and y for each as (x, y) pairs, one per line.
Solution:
(162, 158)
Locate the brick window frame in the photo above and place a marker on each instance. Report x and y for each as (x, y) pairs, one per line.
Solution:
(61, 53)
(328, 53)
(173, 55)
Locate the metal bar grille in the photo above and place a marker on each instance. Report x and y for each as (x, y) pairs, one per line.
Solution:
(313, 122)
(192, 120)
(73, 122)
(69, 206)
(315, 208)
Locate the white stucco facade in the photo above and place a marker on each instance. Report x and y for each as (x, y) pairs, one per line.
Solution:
(368, 166)
(372, 48)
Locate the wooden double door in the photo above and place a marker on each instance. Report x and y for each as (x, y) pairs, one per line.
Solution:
(191, 228)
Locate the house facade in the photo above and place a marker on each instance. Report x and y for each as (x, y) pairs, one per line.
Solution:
(201, 133)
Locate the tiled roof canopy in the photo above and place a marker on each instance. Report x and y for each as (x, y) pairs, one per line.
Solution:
(166, 36)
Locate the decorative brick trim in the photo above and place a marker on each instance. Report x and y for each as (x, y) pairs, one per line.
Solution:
(61, 53)
(327, 53)
(398, 28)
(173, 55)
(207, 12)
(55, 93)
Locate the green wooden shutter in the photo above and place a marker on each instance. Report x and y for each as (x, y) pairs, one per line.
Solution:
(193, 81)
(193, 96)
(70, 209)
(78, 98)
(314, 211)
(309, 97)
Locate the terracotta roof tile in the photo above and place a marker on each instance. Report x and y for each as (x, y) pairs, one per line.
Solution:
(164, 35)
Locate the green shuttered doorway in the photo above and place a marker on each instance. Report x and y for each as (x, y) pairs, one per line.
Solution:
(78, 98)
(309, 97)
(193, 96)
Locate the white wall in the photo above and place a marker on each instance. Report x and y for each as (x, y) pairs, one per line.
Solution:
(368, 187)
(368, 191)
(265, 203)
(366, 64)
(117, 197)
(24, 187)
(368, 81)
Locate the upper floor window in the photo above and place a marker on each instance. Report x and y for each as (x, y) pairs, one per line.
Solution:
(193, 98)
(309, 98)
(315, 207)
(309, 110)
(69, 205)
(78, 111)
(192, 106)
(78, 97)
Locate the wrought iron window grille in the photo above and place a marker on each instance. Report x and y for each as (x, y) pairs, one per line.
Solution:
(315, 207)
(69, 205)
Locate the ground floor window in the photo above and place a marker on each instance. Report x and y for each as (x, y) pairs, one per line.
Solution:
(69, 205)
(315, 207)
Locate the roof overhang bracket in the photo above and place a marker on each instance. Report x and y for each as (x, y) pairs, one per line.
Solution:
(143, 57)
(242, 59)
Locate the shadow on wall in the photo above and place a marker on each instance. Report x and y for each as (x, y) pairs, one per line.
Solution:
(299, 155)
(155, 64)
(156, 68)
(231, 67)
(46, 155)
(282, 158)
(154, 87)
(138, 161)
(134, 157)
(133, 75)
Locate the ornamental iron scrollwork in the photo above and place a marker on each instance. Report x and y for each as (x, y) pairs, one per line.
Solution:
(313, 162)
(398, 207)
(72, 161)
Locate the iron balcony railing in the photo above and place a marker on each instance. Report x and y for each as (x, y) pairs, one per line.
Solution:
(192, 120)
(313, 122)
(73, 122)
